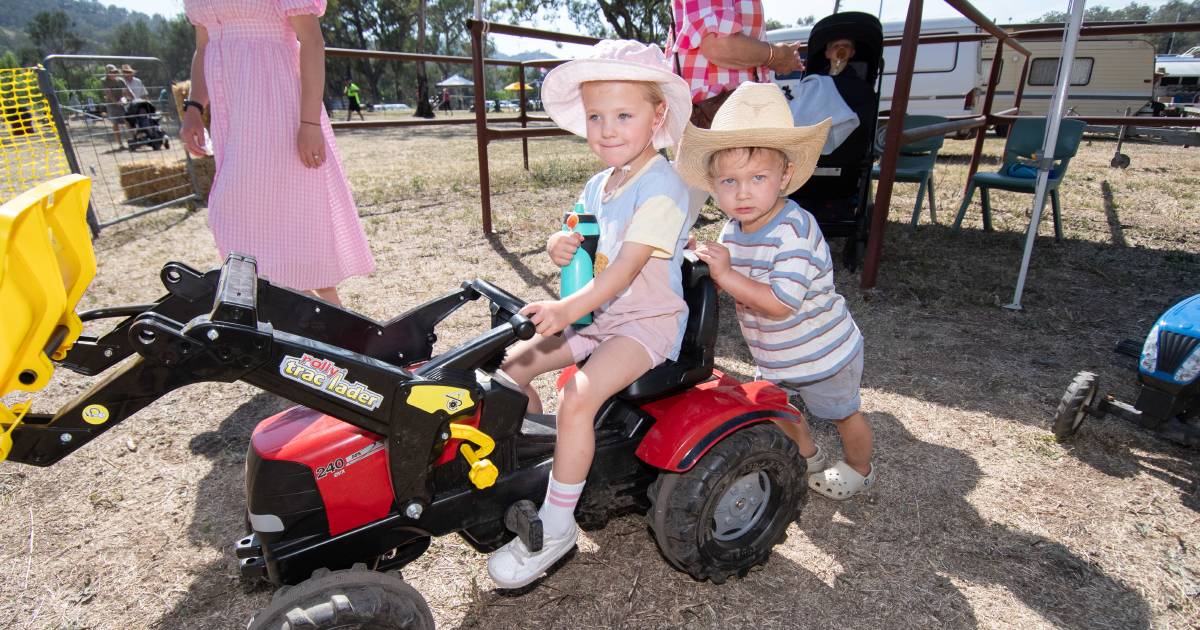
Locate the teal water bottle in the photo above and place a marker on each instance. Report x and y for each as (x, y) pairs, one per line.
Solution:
(578, 272)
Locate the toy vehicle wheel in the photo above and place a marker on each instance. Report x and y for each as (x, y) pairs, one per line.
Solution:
(354, 598)
(1120, 160)
(1073, 407)
(723, 517)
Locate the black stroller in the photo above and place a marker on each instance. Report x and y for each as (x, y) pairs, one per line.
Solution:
(146, 123)
(839, 192)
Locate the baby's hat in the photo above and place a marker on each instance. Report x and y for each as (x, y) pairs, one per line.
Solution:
(617, 60)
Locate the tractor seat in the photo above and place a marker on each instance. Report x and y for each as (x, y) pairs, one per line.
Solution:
(696, 353)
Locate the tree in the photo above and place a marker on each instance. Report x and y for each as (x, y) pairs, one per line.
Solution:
(771, 24)
(644, 20)
(424, 109)
(1173, 11)
(53, 33)
(9, 60)
(807, 20)
(132, 38)
(352, 24)
(176, 41)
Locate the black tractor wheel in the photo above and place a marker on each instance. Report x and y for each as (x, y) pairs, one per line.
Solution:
(1073, 408)
(354, 598)
(723, 517)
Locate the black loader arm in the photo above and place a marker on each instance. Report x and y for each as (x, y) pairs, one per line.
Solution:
(222, 345)
(405, 339)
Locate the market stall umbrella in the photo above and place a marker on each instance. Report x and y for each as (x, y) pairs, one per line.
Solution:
(456, 81)
(515, 86)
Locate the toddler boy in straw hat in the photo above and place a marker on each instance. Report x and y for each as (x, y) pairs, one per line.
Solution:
(773, 260)
(625, 100)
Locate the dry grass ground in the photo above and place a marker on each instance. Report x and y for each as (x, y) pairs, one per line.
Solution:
(979, 520)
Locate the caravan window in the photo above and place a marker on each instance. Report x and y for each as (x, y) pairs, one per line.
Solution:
(930, 58)
(1045, 69)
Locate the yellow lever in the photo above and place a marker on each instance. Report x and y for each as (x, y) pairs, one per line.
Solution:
(483, 472)
(11, 416)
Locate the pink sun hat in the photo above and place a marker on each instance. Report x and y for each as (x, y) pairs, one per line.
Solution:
(617, 60)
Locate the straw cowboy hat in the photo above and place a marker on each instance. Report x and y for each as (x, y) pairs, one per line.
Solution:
(617, 60)
(755, 115)
(126, 68)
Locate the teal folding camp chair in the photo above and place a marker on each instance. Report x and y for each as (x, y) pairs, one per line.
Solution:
(915, 163)
(1024, 140)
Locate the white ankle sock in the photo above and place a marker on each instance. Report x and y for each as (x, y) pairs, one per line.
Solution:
(558, 510)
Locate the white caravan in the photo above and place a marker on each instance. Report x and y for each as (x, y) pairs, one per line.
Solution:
(949, 79)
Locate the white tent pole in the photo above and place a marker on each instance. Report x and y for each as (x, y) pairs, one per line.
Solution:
(1053, 121)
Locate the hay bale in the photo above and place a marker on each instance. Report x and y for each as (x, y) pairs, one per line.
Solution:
(180, 92)
(204, 168)
(148, 183)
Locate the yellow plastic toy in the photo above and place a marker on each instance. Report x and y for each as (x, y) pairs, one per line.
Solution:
(483, 472)
(46, 263)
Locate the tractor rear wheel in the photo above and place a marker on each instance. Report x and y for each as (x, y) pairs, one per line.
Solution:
(725, 515)
(1074, 406)
(353, 598)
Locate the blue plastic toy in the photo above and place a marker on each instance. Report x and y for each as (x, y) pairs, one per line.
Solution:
(1168, 381)
(580, 270)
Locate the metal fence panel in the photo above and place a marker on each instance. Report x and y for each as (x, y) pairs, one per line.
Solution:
(121, 133)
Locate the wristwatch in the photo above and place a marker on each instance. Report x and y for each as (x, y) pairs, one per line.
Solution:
(190, 103)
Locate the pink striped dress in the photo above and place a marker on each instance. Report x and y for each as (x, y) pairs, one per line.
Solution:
(299, 223)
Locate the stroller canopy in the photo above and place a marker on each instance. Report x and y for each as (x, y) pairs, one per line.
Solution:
(861, 28)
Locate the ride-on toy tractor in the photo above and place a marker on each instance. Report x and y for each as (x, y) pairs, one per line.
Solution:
(393, 445)
(1168, 400)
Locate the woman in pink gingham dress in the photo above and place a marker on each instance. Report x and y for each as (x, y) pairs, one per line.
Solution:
(280, 193)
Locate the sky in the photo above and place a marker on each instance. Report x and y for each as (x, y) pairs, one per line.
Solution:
(786, 11)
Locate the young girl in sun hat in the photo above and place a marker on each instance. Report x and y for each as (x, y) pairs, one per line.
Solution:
(624, 99)
(773, 260)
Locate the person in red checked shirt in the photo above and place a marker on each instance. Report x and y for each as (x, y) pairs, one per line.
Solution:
(718, 46)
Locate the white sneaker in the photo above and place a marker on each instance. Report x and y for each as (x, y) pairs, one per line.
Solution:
(514, 566)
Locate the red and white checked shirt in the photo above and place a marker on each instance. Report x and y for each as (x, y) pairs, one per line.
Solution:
(696, 18)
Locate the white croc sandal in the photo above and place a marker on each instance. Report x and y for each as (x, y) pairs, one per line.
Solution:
(514, 566)
(840, 482)
(818, 462)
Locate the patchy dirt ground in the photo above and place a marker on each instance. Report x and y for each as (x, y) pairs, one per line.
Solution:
(979, 519)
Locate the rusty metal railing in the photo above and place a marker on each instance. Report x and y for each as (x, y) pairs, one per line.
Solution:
(897, 137)
(485, 134)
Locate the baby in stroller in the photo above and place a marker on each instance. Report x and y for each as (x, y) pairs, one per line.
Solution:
(847, 49)
(146, 124)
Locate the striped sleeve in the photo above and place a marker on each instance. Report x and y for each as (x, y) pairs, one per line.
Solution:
(796, 266)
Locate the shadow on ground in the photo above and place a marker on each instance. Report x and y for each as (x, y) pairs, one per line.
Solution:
(217, 597)
(911, 554)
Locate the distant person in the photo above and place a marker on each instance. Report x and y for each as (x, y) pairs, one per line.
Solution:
(134, 89)
(718, 46)
(352, 102)
(112, 91)
(445, 104)
(280, 194)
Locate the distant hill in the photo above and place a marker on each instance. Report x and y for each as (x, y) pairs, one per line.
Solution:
(94, 22)
(527, 56)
